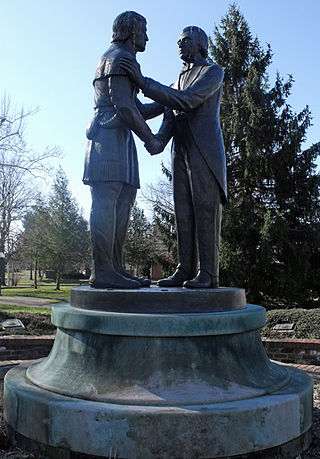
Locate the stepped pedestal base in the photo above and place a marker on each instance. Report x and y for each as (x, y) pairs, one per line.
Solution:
(170, 385)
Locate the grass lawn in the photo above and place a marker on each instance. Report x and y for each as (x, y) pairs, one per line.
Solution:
(10, 309)
(44, 290)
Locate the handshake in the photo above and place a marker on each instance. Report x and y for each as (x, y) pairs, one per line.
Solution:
(154, 145)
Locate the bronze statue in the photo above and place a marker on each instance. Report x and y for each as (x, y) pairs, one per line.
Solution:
(111, 165)
(198, 157)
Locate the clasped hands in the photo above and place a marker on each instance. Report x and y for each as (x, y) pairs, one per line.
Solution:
(154, 145)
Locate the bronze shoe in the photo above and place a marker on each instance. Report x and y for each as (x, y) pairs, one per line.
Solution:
(143, 281)
(176, 280)
(202, 280)
(114, 280)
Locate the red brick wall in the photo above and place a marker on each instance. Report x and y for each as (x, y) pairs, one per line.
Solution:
(288, 350)
(156, 272)
(301, 351)
(20, 347)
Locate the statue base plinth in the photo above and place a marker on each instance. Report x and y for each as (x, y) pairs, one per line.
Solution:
(159, 300)
(145, 385)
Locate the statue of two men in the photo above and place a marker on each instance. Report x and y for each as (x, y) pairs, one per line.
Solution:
(191, 116)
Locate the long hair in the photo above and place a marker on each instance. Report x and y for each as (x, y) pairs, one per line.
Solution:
(125, 24)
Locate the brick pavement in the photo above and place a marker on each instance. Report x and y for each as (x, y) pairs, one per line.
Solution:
(312, 370)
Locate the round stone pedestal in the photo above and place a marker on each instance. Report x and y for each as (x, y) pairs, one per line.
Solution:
(150, 385)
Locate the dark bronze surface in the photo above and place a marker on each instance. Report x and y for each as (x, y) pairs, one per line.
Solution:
(111, 164)
(198, 157)
(159, 300)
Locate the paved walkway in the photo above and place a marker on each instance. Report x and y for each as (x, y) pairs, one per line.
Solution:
(27, 301)
(312, 370)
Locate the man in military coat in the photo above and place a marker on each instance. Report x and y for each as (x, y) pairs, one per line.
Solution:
(198, 158)
(111, 164)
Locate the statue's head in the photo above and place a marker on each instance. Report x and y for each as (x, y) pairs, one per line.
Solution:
(193, 42)
(130, 26)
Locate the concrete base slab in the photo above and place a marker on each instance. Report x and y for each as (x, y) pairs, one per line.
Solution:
(133, 431)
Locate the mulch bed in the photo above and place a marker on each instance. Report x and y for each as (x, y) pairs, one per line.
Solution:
(36, 324)
(306, 323)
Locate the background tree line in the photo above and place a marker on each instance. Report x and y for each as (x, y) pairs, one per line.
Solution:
(56, 235)
(20, 169)
(52, 235)
(35, 229)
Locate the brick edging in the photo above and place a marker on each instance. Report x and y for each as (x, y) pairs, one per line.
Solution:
(28, 340)
(292, 350)
(25, 347)
(286, 350)
(294, 342)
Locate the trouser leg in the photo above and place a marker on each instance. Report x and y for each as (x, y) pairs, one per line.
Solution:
(184, 213)
(123, 211)
(208, 218)
(208, 213)
(103, 225)
(185, 224)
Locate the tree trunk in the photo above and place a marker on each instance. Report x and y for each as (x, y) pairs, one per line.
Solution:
(35, 282)
(8, 272)
(2, 260)
(30, 278)
(2, 271)
(58, 280)
(12, 273)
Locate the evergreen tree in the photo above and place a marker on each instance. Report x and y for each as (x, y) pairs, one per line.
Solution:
(165, 223)
(35, 239)
(160, 197)
(270, 235)
(138, 249)
(68, 235)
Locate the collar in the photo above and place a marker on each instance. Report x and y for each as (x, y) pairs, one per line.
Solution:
(189, 66)
(124, 45)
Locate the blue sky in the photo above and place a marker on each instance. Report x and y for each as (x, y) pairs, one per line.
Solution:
(49, 52)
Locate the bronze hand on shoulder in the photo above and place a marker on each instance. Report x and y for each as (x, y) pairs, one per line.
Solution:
(133, 69)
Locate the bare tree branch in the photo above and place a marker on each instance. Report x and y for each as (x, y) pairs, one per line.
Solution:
(13, 150)
(19, 166)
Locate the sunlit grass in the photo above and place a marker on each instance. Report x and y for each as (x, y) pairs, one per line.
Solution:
(9, 308)
(43, 291)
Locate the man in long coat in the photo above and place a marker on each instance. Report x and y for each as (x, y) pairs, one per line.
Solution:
(111, 164)
(198, 158)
